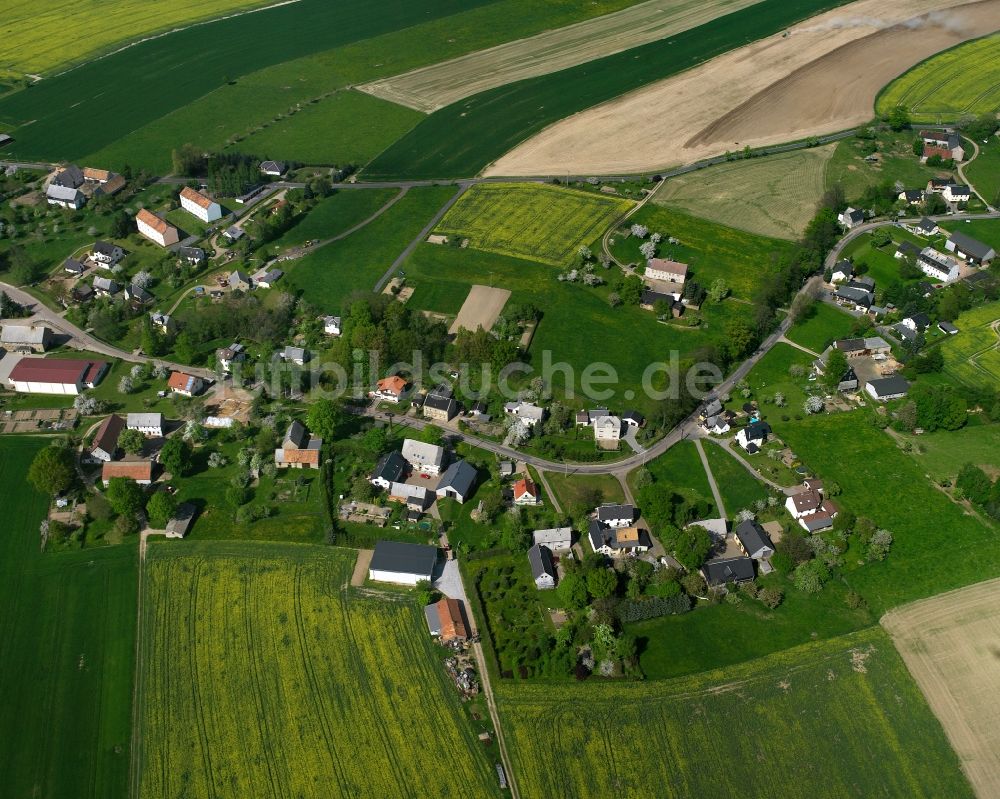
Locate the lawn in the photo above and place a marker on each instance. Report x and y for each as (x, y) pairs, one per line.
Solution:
(822, 325)
(971, 355)
(67, 632)
(936, 546)
(680, 469)
(711, 251)
(881, 262)
(461, 139)
(944, 452)
(771, 376)
(774, 196)
(897, 162)
(573, 489)
(538, 222)
(986, 230)
(334, 215)
(329, 275)
(984, 172)
(833, 718)
(962, 80)
(262, 674)
(578, 326)
(739, 488)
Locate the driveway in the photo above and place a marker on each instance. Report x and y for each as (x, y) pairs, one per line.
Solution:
(449, 582)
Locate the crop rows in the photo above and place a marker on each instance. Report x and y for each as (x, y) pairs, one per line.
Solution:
(971, 355)
(537, 222)
(261, 676)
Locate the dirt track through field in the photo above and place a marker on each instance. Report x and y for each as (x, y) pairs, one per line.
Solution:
(951, 645)
(481, 309)
(820, 77)
(430, 88)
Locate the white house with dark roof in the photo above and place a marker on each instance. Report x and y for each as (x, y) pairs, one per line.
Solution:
(401, 563)
(957, 193)
(458, 482)
(884, 389)
(274, 169)
(65, 197)
(527, 412)
(844, 270)
(753, 541)
(615, 515)
(851, 217)
(543, 570)
(617, 541)
(937, 265)
(391, 468)
(106, 254)
(149, 424)
(722, 571)
(753, 436)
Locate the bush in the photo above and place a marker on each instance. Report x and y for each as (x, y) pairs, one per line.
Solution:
(854, 600)
(771, 597)
(630, 611)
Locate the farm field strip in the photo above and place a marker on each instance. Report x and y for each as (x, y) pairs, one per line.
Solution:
(773, 196)
(973, 355)
(263, 676)
(532, 221)
(430, 88)
(836, 718)
(815, 77)
(963, 80)
(948, 644)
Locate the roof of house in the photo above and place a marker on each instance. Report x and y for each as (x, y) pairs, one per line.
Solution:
(135, 420)
(633, 416)
(105, 248)
(400, 557)
(106, 437)
(972, 246)
(611, 512)
(74, 266)
(727, 570)
(294, 353)
(147, 217)
(237, 276)
(181, 521)
(105, 284)
(133, 470)
(650, 297)
(460, 477)
(806, 501)
(525, 410)
(179, 381)
(552, 535)
(908, 248)
(191, 252)
(390, 467)
(854, 214)
(816, 521)
(912, 194)
(757, 431)
(890, 386)
(926, 224)
(920, 320)
(139, 293)
(845, 267)
(422, 452)
(947, 327)
(58, 192)
(855, 294)
(525, 486)
(55, 370)
(959, 188)
(23, 334)
(196, 197)
(752, 536)
(272, 166)
(445, 618)
(664, 265)
(608, 421)
(393, 384)
(617, 537)
(540, 558)
(438, 402)
(70, 175)
(713, 408)
(91, 173)
(297, 436)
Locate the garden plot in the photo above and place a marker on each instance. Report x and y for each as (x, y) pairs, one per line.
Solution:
(481, 309)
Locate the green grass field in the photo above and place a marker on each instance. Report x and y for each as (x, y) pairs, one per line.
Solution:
(823, 324)
(571, 489)
(771, 376)
(962, 80)
(262, 675)
(738, 487)
(835, 718)
(710, 250)
(328, 276)
(882, 263)
(944, 452)
(461, 139)
(971, 356)
(984, 171)
(534, 221)
(680, 469)
(67, 633)
(936, 546)
(333, 215)
(774, 196)
(896, 163)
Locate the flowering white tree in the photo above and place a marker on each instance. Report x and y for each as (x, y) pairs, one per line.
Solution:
(517, 432)
(779, 399)
(125, 385)
(745, 515)
(639, 231)
(813, 405)
(656, 238)
(216, 460)
(648, 250)
(194, 431)
(142, 279)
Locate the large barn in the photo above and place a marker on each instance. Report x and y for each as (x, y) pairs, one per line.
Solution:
(406, 564)
(56, 375)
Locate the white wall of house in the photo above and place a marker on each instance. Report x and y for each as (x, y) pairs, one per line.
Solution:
(399, 578)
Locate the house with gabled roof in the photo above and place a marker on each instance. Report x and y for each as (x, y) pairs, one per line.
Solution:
(458, 482)
(274, 169)
(884, 389)
(199, 205)
(423, 457)
(557, 538)
(666, 271)
(844, 270)
(608, 428)
(617, 541)
(616, 515)
(543, 569)
(106, 254)
(753, 541)
(391, 468)
(299, 449)
(526, 492)
(157, 230)
(389, 389)
(25, 338)
(446, 620)
(140, 471)
(104, 447)
(65, 197)
(753, 436)
(851, 217)
(402, 563)
(184, 384)
(71, 266)
(723, 571)
(970, 249)
(527, 412)
(440, 405)
(149, 424)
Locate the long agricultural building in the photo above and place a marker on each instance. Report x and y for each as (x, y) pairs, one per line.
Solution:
(56, 375)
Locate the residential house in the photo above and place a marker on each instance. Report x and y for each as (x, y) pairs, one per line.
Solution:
(666, 271)
(82, 293)
(617, 541)
(506, 469)
(104, 447)
(266, 278)
(753, 541)
(273, 168)
(184, 384)
(724, 571)
(907, 249)
(65, 197)
(193, 255)
(439, 404)
(851, 218)
(239, 281)
(804, 503)
(149, 424)
(163, 322)
(527, 412)
(70, 177)
(926, 227)
(608, 428)
(446, 620)
(853, 296)
(139, 471)
(105, 287)
(331, 325)
(526, 492)
(479, 411)
(457, 482)
(556, 539)
(299, 449)
(912, 196)
(543, 570)
(68, 376)
(138, 296)
(884, 389)
(585, 418)
(405, 564)
(182, 520)
(25, 338)
(844, 270)
(389, 389)
(390, 469)
(415, 497)
(73, 267)
(106, 254)
(947, 145)
(200, 206)
(633, 419)
(296, 355)
(937, 265)
(157, 230)
(970, 249)
(649, 299)
(616, 515)
(957, 193)
(422, 457)
(712, 408)
(227, 356)
(716, 425)
(918, 323)
(753, 436)
(234, 233)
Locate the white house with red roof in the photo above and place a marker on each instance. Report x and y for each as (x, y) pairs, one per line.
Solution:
(197, 204)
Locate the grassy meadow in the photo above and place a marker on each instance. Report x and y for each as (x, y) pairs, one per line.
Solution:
(572, 489)
(538, 222)
(739, 488)
(944, 452)
(680, 469)
(840, 717)
(67, 633)
(771, 376)
(822, 325)
(962, 80)
(334, 215)
(972, 355)
(984, 171)
(262, 674)
(774, 196)
(896, 162)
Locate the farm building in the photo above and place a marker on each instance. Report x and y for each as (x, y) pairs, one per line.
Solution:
(401, 563)
(947, 145)
(457, 482)
(56, 375)
(970, 249)
(937, 265)
(179, 525)
(25, 338)
(556, 538)
(299, 449)
(157, 230)
(149, 424)
(446, 620)
(139, 471)
(888, 388)
(273, 168)
(184, 384)
(200, 206)
(666, 271)
(427, 458)
(105, 444)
